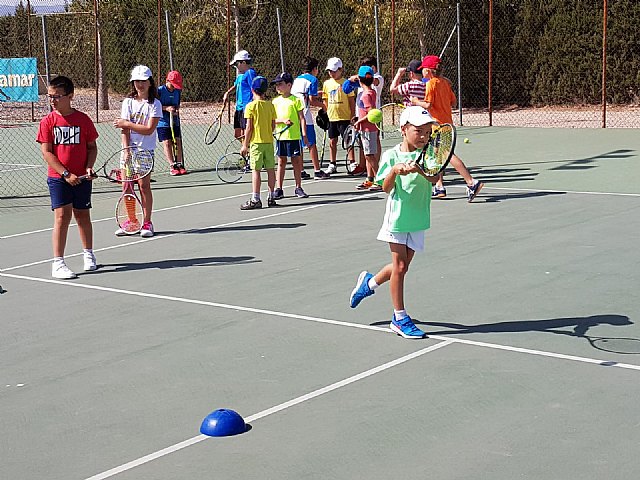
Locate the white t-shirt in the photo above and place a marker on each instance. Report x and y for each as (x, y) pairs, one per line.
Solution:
(140, 112)
(305, 86)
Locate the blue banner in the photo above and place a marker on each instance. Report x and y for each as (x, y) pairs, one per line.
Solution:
(18, 80)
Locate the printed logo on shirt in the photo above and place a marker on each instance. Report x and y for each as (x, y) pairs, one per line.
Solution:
(66, 135)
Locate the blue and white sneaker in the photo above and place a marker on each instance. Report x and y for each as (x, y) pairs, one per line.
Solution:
(361, 289)
(406, 328)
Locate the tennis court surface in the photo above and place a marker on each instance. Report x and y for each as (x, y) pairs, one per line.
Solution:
(531, 368)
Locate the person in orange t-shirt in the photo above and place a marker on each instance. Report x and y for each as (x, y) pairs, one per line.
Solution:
(439, 100)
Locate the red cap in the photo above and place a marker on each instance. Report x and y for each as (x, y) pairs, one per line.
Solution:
(175, 79)
(431, 62)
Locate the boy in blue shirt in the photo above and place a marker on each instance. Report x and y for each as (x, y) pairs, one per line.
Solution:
(242, 86)
(169, 95)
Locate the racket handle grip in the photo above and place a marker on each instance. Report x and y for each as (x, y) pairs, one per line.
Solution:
(86, 177)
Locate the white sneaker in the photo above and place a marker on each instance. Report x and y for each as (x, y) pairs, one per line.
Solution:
(60, 271)
(147, 230)
(332, 168)
(89, 262)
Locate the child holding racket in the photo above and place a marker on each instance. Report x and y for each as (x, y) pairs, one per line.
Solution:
(67, 139)
(290, 122)
(438, 100)
(258, 142)
(169, 95)
(406, 216)
(415, 87)
(141, 112)
(242, 61)
(339, 106)
(369, 135)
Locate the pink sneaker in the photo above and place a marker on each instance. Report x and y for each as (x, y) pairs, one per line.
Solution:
(147, 230)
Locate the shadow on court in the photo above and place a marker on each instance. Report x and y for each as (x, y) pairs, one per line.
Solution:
(233, 228)
(175, 263)
(574, 327)
(591, 162)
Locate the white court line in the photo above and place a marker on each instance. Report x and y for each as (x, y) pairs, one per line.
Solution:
(193, 230)
(270, 411)
(561, 356)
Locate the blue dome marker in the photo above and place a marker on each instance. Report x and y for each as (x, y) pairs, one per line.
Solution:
(223, 423)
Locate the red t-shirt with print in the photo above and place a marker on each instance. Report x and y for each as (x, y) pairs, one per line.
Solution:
(69, 135)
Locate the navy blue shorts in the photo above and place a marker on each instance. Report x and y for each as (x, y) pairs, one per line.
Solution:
(164, 133)
(288, 148)
(63, 194)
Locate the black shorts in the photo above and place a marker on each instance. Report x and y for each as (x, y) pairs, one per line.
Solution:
(63, 194)
(238, 120)
(336, 129)
(164, 133)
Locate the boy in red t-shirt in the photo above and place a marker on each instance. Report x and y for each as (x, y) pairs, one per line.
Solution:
(67, 139)
(369, 132)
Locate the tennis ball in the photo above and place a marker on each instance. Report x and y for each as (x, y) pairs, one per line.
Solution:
(466, 140)
(374, 115)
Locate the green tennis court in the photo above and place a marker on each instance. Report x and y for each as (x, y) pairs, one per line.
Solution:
(530, 369)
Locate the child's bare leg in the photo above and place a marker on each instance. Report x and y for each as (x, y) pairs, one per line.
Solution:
(256, 181)
(333, 149)
(166, 148)
(296, 163)
(401, 257)
(146, 197)
(85, 228)
(282, 166)
(179, 151)
(313, 153)
(461, 169)
(61, 221)
(271, 179)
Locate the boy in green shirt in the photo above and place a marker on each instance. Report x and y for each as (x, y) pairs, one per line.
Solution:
(406, 216)
(258, 141)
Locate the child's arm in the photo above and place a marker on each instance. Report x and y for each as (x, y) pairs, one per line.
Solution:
(303, 125)
(396, 80)
(226, 94)
(248, 133)
(54, 163)
(92, 154)
(142, 129)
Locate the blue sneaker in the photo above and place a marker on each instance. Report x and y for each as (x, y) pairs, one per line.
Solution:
(406, 328)
(362, 289)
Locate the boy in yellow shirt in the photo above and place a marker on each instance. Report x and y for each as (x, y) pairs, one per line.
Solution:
(258, 141)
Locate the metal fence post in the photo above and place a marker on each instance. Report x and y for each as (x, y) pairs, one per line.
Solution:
(169, 41)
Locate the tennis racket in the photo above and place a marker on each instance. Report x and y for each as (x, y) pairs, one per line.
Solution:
(214, 129)
(127, 166)
(277, 135)
(174, 146)
(438, 151)
(390, 117)
(231, 167)
(324, 146)
(355, 153)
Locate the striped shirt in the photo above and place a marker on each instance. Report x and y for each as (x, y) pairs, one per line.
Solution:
(412, 88)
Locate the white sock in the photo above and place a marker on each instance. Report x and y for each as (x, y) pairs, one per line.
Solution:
(255, 196)
(88, 250)
(372, 283)
(400, 314)
(58, 260)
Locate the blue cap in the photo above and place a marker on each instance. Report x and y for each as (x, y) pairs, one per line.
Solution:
(260, 84)
(365, 70)
(283, 77)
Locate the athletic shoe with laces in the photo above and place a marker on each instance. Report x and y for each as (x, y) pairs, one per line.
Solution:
(147, 230)
(304, 175)
(251, 204)
(271, 202)
(174, 170)
(183, 170)
(300, 193)
(361, 290)
(473, 190)
(89, 261)
(358, 171)
(406, 328)
(332, 168)
(60, 271)
(121, 232)
(321, 175)
(278, 194)
(439, 192)
(366, 185)
(375, 188)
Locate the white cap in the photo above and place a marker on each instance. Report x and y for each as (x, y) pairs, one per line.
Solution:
(241, 56)
(333, 64)
(140, 72)
(416, 116)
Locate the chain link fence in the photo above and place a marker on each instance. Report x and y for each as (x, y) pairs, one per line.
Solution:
(513, 63)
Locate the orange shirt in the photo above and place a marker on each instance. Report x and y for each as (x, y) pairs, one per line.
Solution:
(439, 94)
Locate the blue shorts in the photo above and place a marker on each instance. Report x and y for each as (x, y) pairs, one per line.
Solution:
(63, 194)
(164, 133)
(288, 148)
(311, 136)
